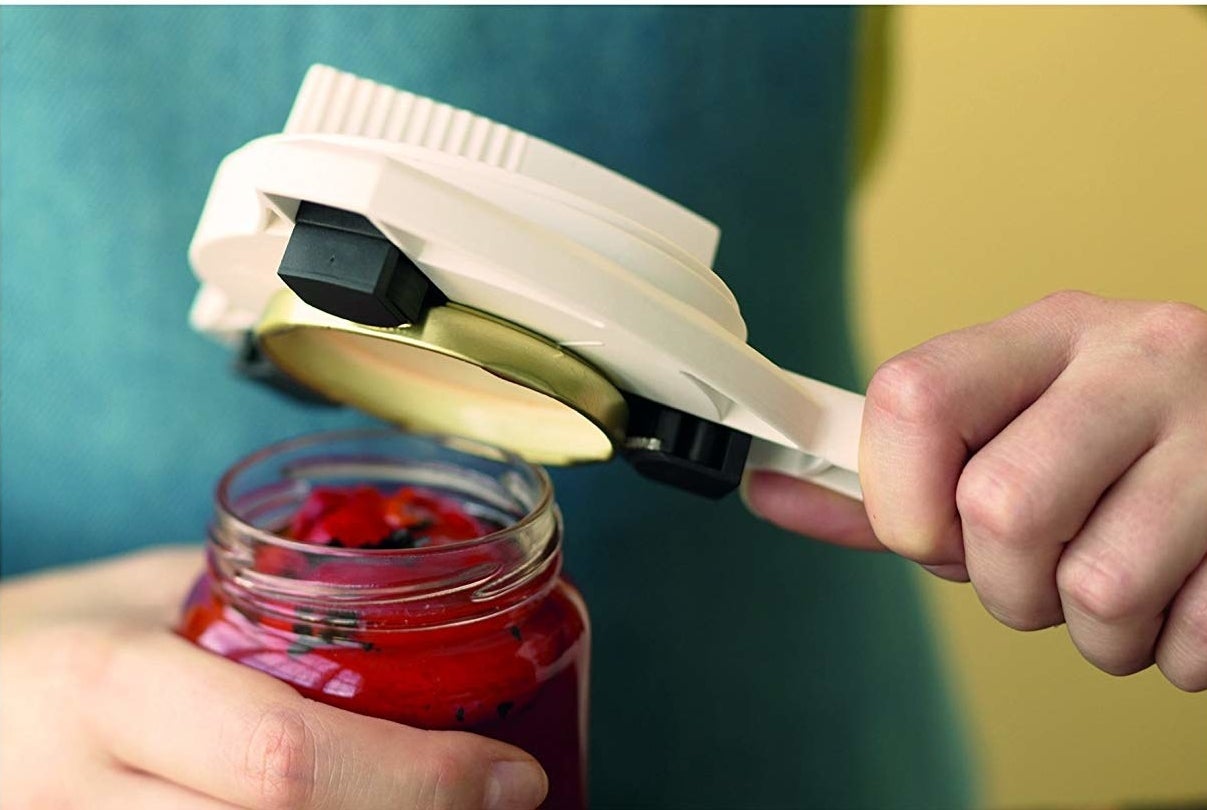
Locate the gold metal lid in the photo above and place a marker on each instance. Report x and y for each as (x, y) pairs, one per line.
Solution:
(458, 372)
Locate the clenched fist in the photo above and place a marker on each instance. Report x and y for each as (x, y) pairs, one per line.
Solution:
(1057, 458)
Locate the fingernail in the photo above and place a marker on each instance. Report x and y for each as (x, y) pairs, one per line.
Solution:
(515, 785)
(744, 493)
(749, 482)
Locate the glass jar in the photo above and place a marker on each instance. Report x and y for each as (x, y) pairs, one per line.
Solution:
(480, 635)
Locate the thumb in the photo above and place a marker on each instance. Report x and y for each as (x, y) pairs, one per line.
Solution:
(239, 736)
(809, 509)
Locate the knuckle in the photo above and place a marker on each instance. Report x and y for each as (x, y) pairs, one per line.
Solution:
(1098, 586)
(278, 767)
(1172, 328)
(1182, 655)
(909, 389)
(996, 504)
(1069, 300)
(445, 777)
(79, 657)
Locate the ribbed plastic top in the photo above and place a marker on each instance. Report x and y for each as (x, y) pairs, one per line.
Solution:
(336, 103)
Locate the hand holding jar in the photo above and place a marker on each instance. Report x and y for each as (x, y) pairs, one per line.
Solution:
(408, 578)
(105, 707)
(1057, 458)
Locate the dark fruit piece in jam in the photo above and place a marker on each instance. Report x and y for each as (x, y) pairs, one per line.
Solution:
(363, 517)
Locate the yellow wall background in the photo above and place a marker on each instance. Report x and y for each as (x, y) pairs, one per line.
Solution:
(1028, 150)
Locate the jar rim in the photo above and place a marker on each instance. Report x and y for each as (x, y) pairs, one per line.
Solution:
(226, 511)
(453, 583)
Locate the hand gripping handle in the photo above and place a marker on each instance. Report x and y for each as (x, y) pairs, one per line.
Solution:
(832, 456)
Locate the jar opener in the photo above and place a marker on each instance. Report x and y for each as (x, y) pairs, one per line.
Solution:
(452, 274)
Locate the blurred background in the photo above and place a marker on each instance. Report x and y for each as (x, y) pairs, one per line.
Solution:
(1110, 106)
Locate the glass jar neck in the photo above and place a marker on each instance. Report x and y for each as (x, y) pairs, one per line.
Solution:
(260, 570)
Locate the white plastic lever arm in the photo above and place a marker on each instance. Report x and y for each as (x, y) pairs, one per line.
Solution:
(834, 460)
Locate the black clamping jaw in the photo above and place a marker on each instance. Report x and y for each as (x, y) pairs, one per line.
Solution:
(683, 450)
(337, 261)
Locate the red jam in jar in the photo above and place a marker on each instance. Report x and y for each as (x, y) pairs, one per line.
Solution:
(408, 578)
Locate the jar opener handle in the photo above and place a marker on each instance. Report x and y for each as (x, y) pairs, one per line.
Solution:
(831, 459)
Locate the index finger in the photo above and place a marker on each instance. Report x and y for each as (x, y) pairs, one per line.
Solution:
(230, 732)
(929, 409)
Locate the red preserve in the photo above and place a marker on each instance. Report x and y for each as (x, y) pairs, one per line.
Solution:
(408, 578)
